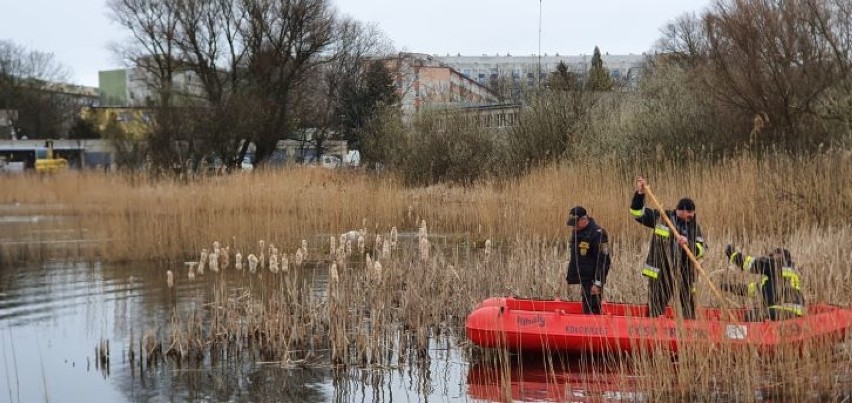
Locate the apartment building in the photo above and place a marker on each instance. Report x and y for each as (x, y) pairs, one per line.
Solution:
(530, 70)
(425, 82)
(135, 87)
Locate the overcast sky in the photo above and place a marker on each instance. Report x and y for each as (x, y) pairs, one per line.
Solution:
(78, 32)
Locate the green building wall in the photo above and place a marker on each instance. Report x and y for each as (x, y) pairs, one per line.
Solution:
(113, 87)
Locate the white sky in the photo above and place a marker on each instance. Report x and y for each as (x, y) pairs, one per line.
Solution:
(78, 32)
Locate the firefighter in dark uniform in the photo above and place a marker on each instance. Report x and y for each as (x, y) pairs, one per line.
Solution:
(780, 286)
(667, 266)
(590, 259)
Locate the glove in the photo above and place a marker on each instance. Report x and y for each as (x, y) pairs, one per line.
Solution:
(729, 250)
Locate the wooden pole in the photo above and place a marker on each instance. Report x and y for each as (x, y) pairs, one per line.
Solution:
(685, 247)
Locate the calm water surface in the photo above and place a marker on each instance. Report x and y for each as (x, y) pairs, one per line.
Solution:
(54, 317)
(57, 319)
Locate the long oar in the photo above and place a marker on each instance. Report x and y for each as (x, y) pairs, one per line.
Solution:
(685, 247)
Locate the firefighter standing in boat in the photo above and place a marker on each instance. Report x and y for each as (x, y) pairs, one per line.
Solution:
(590, 259)
(780, 287)
(667, 266)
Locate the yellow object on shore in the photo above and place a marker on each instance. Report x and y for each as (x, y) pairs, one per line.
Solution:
(47, 162)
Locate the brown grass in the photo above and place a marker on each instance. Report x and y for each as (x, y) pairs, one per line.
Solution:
(387, 317)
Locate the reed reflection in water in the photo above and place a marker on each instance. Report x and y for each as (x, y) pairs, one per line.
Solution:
(66, 331)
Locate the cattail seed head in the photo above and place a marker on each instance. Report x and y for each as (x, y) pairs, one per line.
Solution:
(386, 248)
(394, 237)
(424, 249)
(252, 262)
(273, 264)
(191, 271)
(333, 276)
(225, 258)
(285, 263)
(300, 256)
(377, 272)
(202, 260)
(214, 262)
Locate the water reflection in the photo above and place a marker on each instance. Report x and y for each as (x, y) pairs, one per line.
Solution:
(57, 319)
(551, 378)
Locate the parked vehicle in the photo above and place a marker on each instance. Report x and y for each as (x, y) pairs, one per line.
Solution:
(330, 161)
(47, 162)
(11, 166)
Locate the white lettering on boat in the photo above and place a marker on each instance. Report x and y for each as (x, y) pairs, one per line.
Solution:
(653, 331)
(525, 321)
(587, 330)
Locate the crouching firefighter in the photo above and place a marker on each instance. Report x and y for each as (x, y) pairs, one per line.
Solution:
(668, 268)
(780, 286)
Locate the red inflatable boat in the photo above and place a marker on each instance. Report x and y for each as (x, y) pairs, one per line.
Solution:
(535, 324)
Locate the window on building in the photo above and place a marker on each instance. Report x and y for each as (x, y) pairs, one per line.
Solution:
(124, 117)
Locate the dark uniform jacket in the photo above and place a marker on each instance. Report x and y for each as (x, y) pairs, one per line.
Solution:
(780, 287)
(590, 259)
(664, 251)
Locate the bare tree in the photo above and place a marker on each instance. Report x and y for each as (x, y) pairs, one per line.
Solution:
(242, 51)
(684, 40)
(284, 39)
(775, 60)
(153, 26)
(28, 85)
(832, 20)
(323, 103)
(210, 47)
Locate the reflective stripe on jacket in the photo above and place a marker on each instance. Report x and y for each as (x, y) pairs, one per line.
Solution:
(780, 289)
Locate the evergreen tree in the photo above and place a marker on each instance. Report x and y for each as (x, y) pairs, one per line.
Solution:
(361, 98)
(562, 79)
(599, 78)
(379, 85)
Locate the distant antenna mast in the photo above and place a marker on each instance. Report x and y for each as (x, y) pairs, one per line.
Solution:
(539, 43)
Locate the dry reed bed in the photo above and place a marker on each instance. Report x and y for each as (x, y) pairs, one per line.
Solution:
(387, 319)
(739, 198)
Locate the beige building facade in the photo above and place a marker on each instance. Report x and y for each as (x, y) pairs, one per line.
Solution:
(424, 82)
